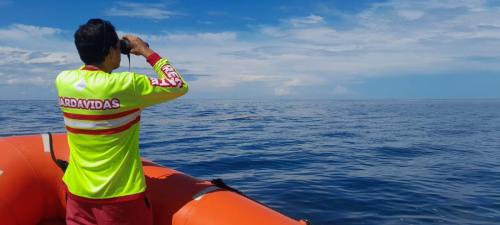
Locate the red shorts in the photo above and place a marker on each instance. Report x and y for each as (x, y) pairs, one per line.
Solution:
(131, 212)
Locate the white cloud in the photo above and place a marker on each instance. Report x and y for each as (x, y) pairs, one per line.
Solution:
(311, 19)
(410, 14)
(389, 39)
(22, 32)
(393, 38)
(14, 56)
(271, 31)
(202, 38)
(34, 55)
(197, 37)
(340, 90)
(284, 89)
(153, 11)
(20, 67)
(27, 81)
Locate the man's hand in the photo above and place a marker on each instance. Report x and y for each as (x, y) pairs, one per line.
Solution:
(138, 46)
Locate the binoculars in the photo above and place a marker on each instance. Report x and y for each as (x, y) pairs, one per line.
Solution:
(125, 46)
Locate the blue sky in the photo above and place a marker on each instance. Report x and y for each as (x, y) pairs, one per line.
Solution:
(272, 49)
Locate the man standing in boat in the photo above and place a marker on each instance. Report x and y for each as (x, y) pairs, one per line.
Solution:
(105, 179)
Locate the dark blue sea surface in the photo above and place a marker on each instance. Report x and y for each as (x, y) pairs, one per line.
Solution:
(333, 162)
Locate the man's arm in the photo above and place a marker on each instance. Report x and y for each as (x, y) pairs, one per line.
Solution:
(169, 84)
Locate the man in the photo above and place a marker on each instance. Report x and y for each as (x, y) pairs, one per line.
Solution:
(105, 180)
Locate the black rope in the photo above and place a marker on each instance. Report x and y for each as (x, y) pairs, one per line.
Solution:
(128, 56)
(59, 162)
(220, 184)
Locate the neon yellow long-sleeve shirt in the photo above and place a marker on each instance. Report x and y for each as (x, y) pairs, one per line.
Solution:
(101, 114)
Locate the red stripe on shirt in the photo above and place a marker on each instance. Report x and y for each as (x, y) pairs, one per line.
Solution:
(104, 131)
(99, 117)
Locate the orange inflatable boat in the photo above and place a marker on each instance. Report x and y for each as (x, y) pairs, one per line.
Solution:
(31, 190)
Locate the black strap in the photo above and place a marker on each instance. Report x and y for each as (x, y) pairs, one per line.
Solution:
(204, 191)
(128, 56)
(59, 162)
(220, 184)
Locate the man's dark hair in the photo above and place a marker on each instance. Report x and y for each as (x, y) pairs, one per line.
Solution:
(94, 39)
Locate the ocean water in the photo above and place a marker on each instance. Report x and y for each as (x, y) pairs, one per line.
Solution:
(332, 162)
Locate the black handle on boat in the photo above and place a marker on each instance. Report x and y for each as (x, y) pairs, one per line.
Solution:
(220, 184)
(59, 162)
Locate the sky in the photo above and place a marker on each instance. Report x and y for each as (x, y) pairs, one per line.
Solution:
(330, 49)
